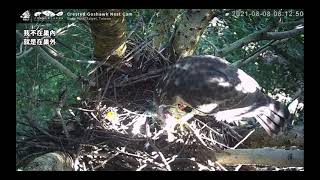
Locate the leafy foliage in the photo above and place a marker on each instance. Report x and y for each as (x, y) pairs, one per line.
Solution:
(38, 83)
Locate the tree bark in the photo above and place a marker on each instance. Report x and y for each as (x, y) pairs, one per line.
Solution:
(262, 156)
(164, 21)
(109, 35)
(189, 31)
(264, 34)
(55, 161)
(283, 34)
(294, 137)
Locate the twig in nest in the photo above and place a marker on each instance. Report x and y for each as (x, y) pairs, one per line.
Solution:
(111, 52)
(238, 167)
(105, 161)
(202, 167)
(155, 137)
(137, 81)
(222, 167)
(107, 85)
(130, 154)
(141, 167)
(215, 142)
(174, 157)
(120, 63)
(233, 132)
(144, 45)
(198, 136)
(161, 155)
(95, 117)
(139, 78)
(243, 139)
(131, 112)
(116, 136)
(160, 54)
(115, 92)
(216, 132)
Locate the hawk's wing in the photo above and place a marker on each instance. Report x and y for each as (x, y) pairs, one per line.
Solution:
(211, 85)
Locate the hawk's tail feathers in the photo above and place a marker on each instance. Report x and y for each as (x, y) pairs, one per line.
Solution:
(273, 117)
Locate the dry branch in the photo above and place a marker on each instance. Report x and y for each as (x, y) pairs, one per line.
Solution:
(293, 138)
(283, 34)
(262, 156)
(23, 53)
(57, 64)
(61, 67)
(241, 42)
(292, 23)
(252, 57)
(62, 100)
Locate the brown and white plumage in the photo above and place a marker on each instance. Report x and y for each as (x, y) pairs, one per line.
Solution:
(209, 85)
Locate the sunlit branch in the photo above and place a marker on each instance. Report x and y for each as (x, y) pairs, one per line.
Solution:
(264, 34)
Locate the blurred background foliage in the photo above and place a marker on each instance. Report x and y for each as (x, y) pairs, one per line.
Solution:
(39, 84)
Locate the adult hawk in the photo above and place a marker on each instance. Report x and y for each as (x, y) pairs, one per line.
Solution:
(209, 85)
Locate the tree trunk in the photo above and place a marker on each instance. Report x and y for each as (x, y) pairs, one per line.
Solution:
(109, 35)
(55, 161)
(189, 31)
(164, 21)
